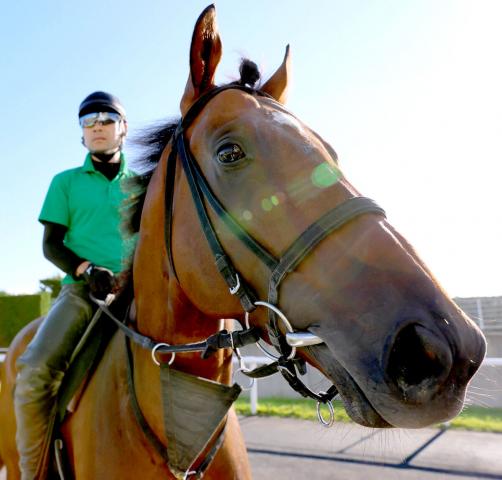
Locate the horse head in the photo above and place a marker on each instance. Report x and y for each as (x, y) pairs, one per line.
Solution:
(399, 351)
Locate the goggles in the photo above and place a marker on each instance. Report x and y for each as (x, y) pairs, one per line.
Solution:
(105, 118)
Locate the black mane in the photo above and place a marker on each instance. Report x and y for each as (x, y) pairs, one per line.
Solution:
(151, 142)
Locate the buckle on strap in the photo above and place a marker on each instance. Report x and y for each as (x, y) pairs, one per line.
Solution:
(233, 340)
(233, 290)
(233, 281)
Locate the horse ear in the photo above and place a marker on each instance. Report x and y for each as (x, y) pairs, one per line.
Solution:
(205, 54)
(277, 84)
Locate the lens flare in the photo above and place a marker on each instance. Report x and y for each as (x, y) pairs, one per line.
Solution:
(325, 175)
(267, 204)
(247, 215)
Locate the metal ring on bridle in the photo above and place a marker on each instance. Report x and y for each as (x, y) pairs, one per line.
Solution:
(321, 419)
(285, 321)
(261, 347)
(154, 351)
(251, 380)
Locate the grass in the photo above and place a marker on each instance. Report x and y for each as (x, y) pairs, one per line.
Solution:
(472, 418)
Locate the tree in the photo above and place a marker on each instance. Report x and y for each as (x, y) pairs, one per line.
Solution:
(51, 284)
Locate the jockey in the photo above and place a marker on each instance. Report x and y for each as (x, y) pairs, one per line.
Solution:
(83, 237)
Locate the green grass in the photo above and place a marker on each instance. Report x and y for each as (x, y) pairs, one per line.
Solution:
(472, 418)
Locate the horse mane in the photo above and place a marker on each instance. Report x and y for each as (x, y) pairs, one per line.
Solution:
(151, 142)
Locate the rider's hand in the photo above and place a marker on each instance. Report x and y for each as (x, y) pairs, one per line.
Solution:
(100, 280)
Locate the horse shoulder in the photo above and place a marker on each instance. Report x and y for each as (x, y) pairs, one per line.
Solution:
(8, 451)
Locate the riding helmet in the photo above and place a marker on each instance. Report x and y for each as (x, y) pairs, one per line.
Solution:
(101, 102)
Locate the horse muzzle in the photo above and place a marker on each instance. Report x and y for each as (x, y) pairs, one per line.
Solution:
(416, 377)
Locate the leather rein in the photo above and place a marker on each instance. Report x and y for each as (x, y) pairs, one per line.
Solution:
(286, 363)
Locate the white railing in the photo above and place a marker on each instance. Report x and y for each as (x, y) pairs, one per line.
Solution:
(252, 362)
(493, 361)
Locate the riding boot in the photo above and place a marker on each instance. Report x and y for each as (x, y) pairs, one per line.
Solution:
(36, 389)
(40, 372)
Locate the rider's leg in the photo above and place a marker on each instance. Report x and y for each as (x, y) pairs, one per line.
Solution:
(41, 369)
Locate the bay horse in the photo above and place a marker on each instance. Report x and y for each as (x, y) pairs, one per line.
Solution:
(398, 350)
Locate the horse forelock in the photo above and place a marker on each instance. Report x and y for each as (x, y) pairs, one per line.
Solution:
(250, 73)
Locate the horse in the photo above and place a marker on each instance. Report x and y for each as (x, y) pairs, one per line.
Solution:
(398, 350)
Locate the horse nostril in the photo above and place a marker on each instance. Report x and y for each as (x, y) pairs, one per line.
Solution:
(419, 360)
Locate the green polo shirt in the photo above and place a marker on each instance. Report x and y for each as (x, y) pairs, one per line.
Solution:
(89, 205)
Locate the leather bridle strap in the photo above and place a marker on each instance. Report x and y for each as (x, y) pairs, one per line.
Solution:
(184, 123)
(219, 340)
(200, 190)
(304, 244)
(198, 178)
(223, 263)
(168, 204)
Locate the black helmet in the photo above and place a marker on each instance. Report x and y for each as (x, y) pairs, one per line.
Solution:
(101, 102)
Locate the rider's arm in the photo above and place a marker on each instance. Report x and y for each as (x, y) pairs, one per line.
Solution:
(58, 253)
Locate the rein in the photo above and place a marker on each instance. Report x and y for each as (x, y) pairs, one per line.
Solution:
(286, 363)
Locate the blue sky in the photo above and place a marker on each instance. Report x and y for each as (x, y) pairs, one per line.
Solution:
(407, 91)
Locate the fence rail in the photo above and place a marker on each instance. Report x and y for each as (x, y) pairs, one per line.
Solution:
(254, 361)
(3, 351)
(493, 361)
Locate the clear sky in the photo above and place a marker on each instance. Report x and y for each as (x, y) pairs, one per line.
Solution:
(407, 91)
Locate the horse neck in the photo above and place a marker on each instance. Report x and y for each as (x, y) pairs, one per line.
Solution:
(169, 317)
(173, 321)
(164, 313)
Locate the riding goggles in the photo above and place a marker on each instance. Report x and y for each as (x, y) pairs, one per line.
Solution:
(105, 118)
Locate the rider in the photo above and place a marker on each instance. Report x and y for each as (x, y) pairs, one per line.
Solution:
(82, 236)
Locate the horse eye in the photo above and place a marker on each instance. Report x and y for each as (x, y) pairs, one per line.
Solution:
(230, 153)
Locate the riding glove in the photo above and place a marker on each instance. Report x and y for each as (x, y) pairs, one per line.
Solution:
(100, 280)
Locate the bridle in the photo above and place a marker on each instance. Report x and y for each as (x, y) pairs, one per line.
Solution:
(279, 267)
(286, 362)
